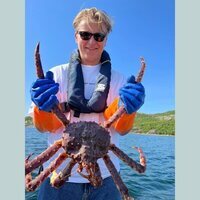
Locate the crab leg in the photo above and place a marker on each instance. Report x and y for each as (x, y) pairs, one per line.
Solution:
(117, 179)
(121, 110)
(56, 110)
(95, 174)
(63, 175)
(129, 161)
(43, 157)
(32, 185)
(28, 177)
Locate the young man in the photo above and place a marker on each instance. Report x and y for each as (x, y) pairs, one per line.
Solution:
(92, 91)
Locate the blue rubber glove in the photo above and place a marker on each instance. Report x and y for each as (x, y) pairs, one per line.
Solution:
(43, 92)
(132, 95)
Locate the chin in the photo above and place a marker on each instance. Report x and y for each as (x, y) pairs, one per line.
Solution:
(90, 61)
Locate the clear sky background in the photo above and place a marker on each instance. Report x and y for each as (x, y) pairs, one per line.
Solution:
(141, 28)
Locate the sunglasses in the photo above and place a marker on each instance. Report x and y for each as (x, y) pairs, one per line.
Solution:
(99, 37)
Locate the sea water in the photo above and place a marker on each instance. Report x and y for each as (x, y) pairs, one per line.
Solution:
(158, 182)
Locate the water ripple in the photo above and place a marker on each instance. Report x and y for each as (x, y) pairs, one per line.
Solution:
(157, 183)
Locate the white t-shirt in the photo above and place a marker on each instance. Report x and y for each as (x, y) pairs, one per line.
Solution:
(89, 74)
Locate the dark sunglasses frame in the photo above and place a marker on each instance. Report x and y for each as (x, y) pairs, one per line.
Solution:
(85, 35)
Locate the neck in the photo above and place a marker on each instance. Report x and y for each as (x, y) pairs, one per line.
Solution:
(90, 63)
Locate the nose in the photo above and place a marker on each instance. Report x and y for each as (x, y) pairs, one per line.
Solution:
(92, 40)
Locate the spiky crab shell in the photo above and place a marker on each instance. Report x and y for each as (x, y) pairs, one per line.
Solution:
(86, 141)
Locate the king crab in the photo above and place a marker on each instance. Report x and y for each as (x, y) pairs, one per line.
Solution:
(84, 143)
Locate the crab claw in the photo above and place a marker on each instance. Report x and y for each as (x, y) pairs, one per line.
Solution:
(53, 177)
(142, 157)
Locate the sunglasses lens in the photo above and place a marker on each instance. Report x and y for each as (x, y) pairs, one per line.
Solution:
(99, 37)
(85, 35)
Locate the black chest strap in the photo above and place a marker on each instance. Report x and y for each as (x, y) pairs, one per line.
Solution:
(75, 93)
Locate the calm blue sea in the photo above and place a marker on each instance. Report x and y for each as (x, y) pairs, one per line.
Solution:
(158, 182)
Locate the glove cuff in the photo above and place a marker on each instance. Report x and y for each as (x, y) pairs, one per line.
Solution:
(45, 121)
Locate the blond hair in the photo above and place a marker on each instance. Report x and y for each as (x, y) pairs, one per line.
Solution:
(93, 15)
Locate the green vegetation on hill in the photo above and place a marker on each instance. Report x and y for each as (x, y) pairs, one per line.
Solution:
(161, 123)
(28, 121)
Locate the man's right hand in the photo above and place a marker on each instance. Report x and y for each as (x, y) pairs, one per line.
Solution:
(43, 92)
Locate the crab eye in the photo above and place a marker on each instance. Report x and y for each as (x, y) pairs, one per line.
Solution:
(73, 147)
(78, 145)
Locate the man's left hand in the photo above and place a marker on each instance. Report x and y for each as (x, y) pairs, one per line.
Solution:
(132, 95)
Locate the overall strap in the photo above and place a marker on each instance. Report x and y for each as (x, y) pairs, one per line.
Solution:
(75, 93)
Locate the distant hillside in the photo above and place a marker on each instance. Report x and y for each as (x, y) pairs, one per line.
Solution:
(160, 123)
(28, 121)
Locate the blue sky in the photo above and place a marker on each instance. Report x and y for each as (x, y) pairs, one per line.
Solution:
(141, 28)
